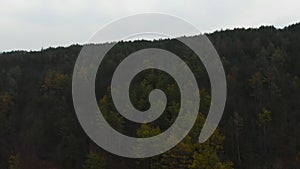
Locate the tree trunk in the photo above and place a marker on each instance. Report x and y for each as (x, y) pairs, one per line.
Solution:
(265, 142)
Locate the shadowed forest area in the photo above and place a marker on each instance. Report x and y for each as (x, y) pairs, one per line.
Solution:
(259, 128)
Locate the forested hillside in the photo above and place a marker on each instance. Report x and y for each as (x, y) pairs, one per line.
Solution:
(260, 127)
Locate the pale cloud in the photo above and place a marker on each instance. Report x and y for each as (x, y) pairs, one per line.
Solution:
(33, 24)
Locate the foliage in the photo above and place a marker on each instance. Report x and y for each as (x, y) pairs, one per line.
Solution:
(37, 115)
(94, 161)
(14, 162)
(264, 117)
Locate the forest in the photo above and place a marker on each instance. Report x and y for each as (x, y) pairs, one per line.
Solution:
(259, 128)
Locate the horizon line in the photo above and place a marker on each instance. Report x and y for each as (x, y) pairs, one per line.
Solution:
(150, 40)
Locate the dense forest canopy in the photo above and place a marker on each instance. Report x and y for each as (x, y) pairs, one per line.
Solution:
(259, 128)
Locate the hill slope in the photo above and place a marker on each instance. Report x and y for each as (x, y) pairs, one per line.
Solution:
(261, 120)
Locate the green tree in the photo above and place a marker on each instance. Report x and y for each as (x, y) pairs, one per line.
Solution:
(14, 161)
(5, 104)
(264, 118)
(189, 153)
(110, 114)
(94, 161)
(148, 131)
(206, 155)
(238, 126)
(180, 156)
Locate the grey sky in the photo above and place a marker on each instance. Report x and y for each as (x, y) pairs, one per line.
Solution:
(33, 24)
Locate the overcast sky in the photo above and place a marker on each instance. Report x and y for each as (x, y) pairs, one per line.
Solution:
(36, 24)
